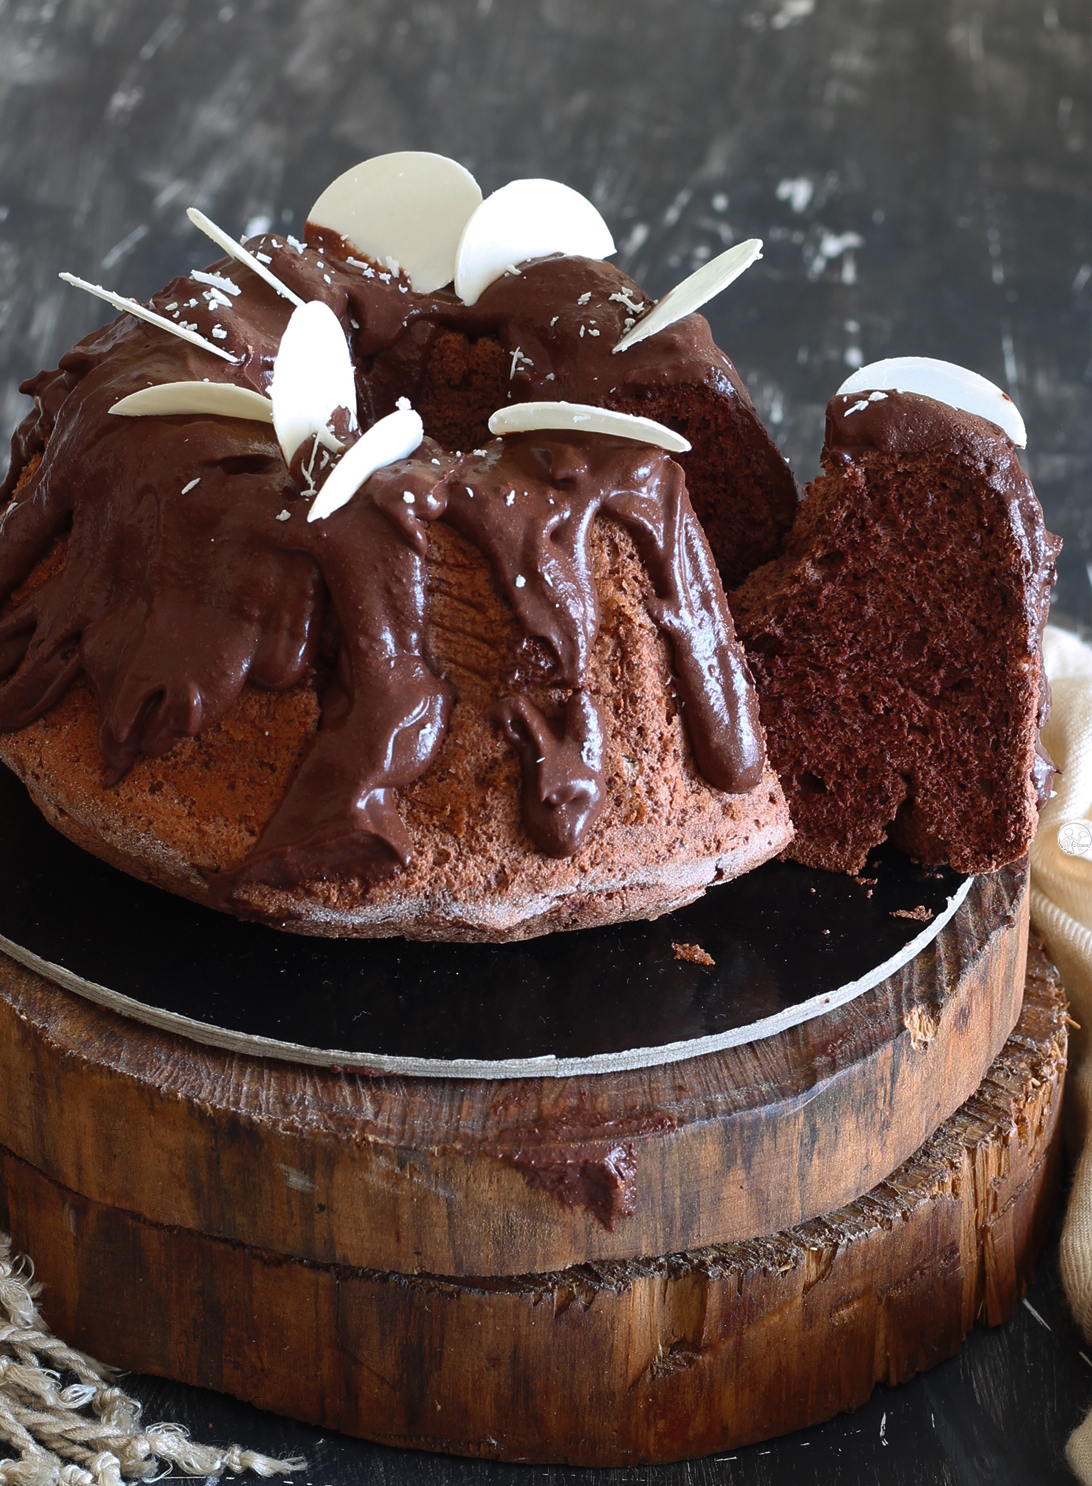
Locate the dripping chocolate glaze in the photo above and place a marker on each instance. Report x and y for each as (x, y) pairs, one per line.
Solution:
(152, 556)
(908, 424)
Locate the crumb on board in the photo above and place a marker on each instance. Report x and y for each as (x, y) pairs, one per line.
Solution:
(692, 952)
(920, 914)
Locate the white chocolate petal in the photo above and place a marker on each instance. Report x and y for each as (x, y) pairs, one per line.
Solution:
(393, 437)
(141, 312)
(239, 253)
(312, 378)
(584, 417)
(222, 399)
(411, 206)
(523, 220)
(694, 291)
(945, 382)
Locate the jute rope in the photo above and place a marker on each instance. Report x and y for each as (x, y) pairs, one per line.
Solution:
(88, 1432)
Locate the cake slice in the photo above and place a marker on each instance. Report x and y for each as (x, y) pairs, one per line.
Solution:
(896, 642)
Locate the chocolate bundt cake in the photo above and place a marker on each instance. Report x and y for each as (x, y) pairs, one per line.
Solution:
(896, 642)
(495, 694)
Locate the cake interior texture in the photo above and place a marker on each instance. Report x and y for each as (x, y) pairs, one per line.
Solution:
(896, 643)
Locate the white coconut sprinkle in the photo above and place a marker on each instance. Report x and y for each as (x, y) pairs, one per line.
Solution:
(521, 581)
(216, 281)
(187, 488)
(282, 515)
(621, 296)
(409, 497)
(584, 298)
(219, 333)
(510, 498)
(263, 258)
(554, 321)
(518, 360)
(294, 242)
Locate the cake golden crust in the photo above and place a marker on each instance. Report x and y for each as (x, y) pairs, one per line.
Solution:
(664, 834)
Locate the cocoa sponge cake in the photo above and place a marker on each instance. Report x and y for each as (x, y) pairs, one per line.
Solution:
(896, 642)
(489, 689)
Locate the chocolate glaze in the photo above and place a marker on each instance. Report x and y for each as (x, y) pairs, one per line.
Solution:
(584, 1161)
(908, 424)
(152, 556)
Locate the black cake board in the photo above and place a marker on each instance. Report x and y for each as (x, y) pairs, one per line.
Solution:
(789, 943)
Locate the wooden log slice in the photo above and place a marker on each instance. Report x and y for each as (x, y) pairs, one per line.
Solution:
(468, 1177)
(608, 1363)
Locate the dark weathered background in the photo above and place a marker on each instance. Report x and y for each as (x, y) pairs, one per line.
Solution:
(919, 170)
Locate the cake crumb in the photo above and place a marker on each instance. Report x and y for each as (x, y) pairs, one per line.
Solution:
(920, 914)
(693, 953)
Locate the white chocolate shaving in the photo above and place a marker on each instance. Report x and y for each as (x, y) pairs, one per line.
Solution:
(526, 219)
(141, 312)
(407, 209)
(312, 378)
(694, 291)
(239, 253)
(222, 399)
(583, 417)
(945, 382)
(394, 437)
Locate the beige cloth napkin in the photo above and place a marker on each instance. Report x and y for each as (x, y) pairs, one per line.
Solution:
(1061, 911)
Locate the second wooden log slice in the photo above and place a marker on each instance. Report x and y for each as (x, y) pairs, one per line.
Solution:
(467, 1177)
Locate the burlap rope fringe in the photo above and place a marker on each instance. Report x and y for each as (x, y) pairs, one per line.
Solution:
(88, 1433)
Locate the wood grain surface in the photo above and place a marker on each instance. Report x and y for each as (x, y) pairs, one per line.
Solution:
(609, 1363)
(467, 1177)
